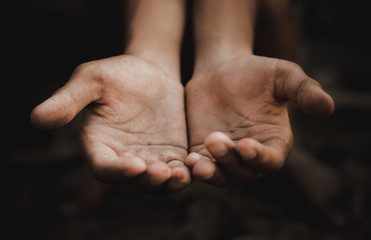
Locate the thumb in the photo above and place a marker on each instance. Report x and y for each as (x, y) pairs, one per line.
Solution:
(307, 93)
(67, 101)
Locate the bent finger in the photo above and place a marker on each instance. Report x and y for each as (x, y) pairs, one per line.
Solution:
(108, 167)
(223, 150)
(263, 158)
(207, 171)
(180, 176)
(154, 177)
(149, 182)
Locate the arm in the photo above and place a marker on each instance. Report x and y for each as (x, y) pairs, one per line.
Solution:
(238, 121)
(155, 30)
(136, 127)
(223, 30)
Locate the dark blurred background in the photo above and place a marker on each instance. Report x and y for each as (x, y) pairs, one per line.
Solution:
(47, 191)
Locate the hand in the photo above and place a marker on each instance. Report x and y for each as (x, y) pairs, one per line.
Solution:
(237, 114)
(134, 129)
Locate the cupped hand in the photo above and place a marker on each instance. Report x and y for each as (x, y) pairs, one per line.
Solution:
(134, 128)
(238, 120)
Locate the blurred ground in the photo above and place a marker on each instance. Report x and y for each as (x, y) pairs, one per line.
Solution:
(48, 193)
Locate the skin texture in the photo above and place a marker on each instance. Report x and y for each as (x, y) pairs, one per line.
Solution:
(134, 128)
(134, 125)
(237, 113)
(134, 131)
(238, 120)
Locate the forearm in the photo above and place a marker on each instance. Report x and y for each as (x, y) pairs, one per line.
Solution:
(154, 30)
(223, 29)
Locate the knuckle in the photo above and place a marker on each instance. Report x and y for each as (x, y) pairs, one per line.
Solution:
(290, 66)
(84, 67)
(285, 69)
(87, 69)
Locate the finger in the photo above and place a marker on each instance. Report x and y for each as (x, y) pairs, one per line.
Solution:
(307, 93)
(150, 182)
(264, 158)
(192, 159)
(156, 175)
(180, 176)
(206, 170)
(69, 100)
(223, 150)
(109, 167)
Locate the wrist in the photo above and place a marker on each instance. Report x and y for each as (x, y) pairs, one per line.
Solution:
(207, 57)
(223, 30)
(154, 32)
(165, 56)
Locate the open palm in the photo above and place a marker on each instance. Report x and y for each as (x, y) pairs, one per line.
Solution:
(134, 128)
(238, 119)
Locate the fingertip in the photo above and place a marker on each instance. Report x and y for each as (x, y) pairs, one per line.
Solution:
(158, 173)
(133, 166)
(246, 149)
(269, 159)
(207, 171)
(217, 149)
(204, 170)
(314, 101)
(38, 118)
(180, 178)
(178, 174)
(216, 137)
(35, 118)
(328, 106)
(118, 169)
(50, 115)
(218, 144)
(259, 157)
(192, 159)
(179, 171)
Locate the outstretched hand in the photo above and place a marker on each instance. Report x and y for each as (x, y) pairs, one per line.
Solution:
(238, 120)
(134, 128)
